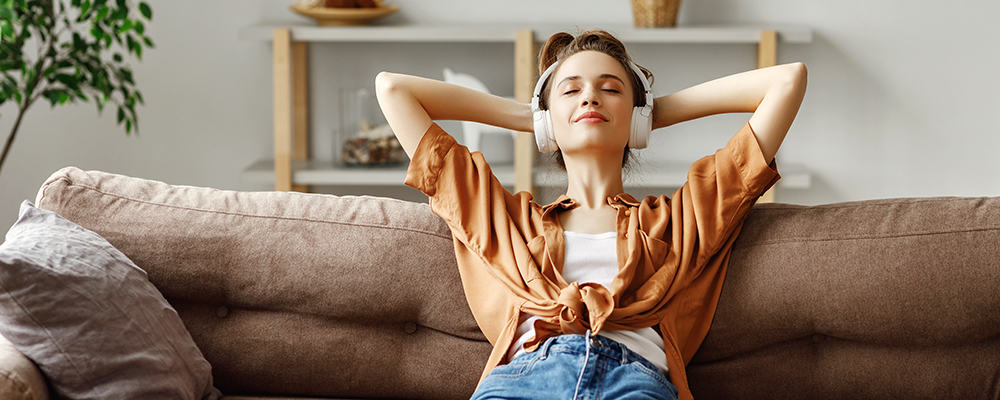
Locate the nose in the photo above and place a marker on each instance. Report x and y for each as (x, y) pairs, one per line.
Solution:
(589, 97)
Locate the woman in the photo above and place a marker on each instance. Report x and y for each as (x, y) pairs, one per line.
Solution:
(595, 294)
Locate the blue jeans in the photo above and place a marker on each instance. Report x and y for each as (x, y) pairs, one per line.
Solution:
(575, 366)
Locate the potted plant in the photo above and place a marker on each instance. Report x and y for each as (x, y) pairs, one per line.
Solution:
(77, 55)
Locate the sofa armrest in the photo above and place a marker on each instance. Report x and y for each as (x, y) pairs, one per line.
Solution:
(20, 378)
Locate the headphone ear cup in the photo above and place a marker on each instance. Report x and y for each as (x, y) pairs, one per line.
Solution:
(549, 132)
(543, 131)
(642, 124)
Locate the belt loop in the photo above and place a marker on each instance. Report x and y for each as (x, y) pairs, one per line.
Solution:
(624, 352)
(543, 351)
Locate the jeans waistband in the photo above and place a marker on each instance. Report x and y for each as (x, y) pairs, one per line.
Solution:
(596, 345)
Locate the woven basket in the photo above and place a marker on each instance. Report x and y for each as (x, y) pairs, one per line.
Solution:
(655, 13)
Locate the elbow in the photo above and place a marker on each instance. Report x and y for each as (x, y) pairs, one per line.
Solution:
(794, 76)
(384, 81)
(797, 72)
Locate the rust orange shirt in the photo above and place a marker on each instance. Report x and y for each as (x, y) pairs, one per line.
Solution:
(672, 251)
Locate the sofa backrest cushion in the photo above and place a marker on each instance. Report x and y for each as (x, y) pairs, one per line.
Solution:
(294, 293)
(882, 298)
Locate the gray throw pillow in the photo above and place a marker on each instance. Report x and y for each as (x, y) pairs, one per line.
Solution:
(89, 317)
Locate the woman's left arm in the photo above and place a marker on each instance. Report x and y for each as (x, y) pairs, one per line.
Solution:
(773, 94)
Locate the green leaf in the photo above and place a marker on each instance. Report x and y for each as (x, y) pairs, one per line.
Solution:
(148, 42)
(131, 43)
(126, 26)
(69, 81)
(103, 13)
(84, 10)
(121, 115)
(146, 11)
(29, 78)
(8, 31)
(126, 75)
(117, 57)
(139, 27)
(6, 13)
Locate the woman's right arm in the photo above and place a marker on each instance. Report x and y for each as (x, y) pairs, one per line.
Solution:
(410, 103)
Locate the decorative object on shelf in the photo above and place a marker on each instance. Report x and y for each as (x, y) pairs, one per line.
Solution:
(374, 146)
(367, 139)
(343, 12)
(655, 13)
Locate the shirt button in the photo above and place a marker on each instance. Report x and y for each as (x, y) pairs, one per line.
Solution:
(628, 212)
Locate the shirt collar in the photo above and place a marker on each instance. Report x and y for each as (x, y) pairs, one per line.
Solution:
(567, 202)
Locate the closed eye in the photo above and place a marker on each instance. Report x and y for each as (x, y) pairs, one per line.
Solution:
(608, 90)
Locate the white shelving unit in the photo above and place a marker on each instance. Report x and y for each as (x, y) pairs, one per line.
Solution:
(290, 169)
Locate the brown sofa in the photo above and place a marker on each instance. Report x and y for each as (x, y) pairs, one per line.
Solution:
(321, 296)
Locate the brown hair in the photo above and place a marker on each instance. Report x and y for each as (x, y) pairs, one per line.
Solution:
(562, 45)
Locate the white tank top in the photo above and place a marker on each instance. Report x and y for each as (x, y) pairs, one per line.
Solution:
(593, 257)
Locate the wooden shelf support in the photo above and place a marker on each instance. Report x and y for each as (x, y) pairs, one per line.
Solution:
(525, 75)
(291, 107)
(300, 99)
(282, 59)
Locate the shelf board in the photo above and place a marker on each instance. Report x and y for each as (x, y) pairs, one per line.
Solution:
(651, 174)
(506, 33)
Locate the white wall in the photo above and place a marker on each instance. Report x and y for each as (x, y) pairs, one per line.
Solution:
(899, 100)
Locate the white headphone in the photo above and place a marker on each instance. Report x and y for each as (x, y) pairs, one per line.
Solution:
(642, 117)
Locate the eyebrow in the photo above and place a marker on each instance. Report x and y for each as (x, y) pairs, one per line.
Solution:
(603, 76)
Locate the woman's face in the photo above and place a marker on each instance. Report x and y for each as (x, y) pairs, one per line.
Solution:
(591, 81)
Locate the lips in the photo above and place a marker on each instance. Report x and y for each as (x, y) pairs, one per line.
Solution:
(591, 114)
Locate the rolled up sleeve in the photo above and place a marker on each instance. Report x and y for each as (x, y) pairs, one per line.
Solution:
(720, 191)
(428, 159)
(463, 190)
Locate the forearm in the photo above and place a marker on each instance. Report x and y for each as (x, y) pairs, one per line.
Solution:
(446, 101)
(740, 92)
